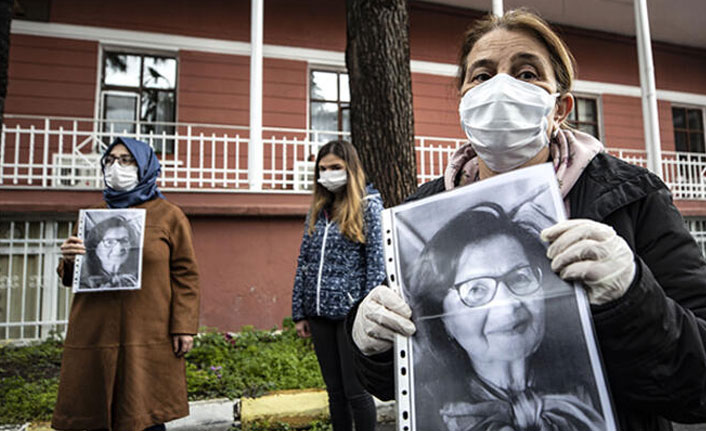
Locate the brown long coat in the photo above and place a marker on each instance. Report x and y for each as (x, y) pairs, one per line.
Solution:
(119, 371)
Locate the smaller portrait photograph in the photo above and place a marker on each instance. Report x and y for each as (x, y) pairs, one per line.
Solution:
(502, 342)
(114, 241)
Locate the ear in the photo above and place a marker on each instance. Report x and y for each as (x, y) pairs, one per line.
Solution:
(564, 106)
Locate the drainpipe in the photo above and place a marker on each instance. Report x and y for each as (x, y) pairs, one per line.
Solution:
(650, 119)
(255, 153)
(498, 8)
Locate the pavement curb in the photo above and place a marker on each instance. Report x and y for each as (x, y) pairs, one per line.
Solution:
(299, 407)
(212, 415)
(221, 413)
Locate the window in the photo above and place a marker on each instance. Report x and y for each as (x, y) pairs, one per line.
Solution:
(584, 116)
(688, 129)
(138, 95)
(32, 303)
(329, 100)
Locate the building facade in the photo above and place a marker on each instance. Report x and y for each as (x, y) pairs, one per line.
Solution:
(177, 75)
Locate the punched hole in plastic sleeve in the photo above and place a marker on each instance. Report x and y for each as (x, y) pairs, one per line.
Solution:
(402, 344)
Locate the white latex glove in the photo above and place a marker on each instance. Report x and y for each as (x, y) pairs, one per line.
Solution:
(593, 253)
(381, 315)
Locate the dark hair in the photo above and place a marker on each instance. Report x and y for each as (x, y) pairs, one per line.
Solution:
(96, 234)
(435, 351)
(560, 56)
(437, 264)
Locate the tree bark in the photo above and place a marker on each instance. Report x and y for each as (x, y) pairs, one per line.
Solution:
(5, 19)
(382, 120)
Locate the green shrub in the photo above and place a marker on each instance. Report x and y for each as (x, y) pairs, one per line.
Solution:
(29, 379)
(317, 425)
(248, 363)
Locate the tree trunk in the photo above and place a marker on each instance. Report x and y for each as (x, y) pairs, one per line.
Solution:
(5, 18)
(382, 121)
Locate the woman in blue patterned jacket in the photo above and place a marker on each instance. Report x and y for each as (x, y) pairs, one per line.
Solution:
(340, 261)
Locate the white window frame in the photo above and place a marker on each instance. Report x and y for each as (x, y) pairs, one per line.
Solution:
(124, 49)
(702, 108)
(320, 68)
(599, 111)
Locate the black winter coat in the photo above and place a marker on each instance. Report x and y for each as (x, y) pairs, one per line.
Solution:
(653, 339)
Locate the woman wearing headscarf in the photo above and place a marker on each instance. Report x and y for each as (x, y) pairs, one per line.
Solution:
(123, 366)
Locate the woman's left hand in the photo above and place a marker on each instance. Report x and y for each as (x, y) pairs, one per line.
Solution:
(182, 344)
(593, 253)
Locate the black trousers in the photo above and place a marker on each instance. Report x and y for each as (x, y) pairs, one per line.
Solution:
(345, 393)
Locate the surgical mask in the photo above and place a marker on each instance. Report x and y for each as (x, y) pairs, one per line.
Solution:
(121, 178)
(333, 180)
(505, 120)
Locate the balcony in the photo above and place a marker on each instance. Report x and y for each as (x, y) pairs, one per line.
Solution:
(63, 153)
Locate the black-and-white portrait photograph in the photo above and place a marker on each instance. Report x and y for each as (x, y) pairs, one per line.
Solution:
(502, 343)
(114, 242)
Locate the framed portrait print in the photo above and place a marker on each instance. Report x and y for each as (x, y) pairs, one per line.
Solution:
(502, 342)
(114, 241)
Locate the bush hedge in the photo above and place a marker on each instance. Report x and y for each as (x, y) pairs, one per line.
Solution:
(247, 363)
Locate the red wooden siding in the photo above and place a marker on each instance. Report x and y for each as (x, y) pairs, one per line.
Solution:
(284, 90)
(219, 19)
(680, 69)
(622, 118)
(436, 31)
(213, 88)
(50, 76)
(435, 106)
(247, 269)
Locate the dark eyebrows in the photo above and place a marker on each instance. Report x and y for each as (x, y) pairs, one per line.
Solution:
(483, 62)
(535, 60)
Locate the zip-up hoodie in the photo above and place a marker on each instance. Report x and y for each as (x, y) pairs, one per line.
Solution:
(334, 272)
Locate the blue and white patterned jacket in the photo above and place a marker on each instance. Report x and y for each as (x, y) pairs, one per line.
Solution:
(333, 272)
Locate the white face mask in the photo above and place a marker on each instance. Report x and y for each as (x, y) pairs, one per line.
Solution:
(121, 178)
(333, 180)
(505, 120)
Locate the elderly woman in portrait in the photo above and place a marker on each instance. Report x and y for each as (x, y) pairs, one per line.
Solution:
(111, 255)
(479, 296)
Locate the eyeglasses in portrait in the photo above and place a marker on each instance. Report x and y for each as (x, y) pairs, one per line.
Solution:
(502, 343)
(114, 244)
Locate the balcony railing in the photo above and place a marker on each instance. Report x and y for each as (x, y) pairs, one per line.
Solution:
(63, 153)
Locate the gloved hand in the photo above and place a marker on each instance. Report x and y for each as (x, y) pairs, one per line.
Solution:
(593, 253)
(381, 315)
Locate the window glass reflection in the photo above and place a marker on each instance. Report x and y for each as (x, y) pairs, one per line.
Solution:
(159, 72)
(122, 69)
(119, 111)
(324, 85)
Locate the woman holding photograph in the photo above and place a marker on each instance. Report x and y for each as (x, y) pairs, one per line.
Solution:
(111, 258)
(626, 242)
(340, 260)
(494, 323)
(123, 362)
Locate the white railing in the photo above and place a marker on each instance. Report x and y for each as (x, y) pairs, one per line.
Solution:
(63, 153)
(684, 173)
(32, 302)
